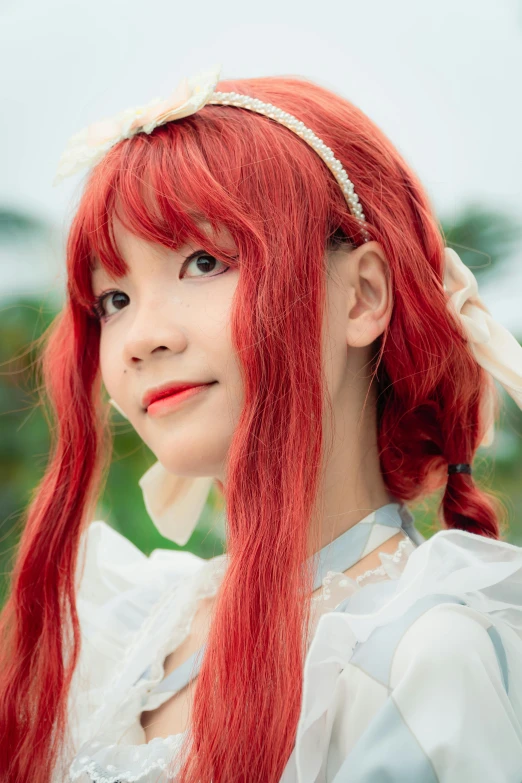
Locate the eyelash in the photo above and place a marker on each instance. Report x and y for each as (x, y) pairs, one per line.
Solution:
(97, 308)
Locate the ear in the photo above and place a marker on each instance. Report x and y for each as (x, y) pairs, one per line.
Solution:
(370, 300)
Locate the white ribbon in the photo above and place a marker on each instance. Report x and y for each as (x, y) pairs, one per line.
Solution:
(89, 145)
(494, 347)
(174, 503)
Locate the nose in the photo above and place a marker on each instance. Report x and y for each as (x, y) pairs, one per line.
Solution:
(152, 329)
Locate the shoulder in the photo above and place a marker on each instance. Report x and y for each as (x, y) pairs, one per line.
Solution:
(443, 685)
(457, 600)
(431, 701)
(447, 640)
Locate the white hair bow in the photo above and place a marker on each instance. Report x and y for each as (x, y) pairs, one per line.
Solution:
(90, 145)
(494, 347)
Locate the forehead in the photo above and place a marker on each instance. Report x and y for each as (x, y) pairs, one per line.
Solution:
(123, 237)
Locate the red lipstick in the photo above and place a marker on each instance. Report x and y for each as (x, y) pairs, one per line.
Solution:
(164, 399)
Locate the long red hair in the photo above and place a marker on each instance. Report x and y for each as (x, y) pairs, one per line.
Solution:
(283, 208)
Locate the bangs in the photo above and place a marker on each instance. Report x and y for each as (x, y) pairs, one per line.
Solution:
(161, 189)
(227, 167)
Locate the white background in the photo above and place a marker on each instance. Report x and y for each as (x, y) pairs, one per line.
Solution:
(443, 80)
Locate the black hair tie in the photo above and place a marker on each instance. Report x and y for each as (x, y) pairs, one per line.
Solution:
(461, 467)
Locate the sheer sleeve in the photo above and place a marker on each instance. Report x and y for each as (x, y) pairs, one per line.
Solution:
(448, 717)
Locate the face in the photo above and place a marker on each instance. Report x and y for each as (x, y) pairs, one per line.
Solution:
(168, 320)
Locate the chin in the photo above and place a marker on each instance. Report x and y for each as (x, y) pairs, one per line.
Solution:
(188, 461)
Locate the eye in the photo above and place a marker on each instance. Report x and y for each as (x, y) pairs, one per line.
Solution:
(99, 305)
(204, 263)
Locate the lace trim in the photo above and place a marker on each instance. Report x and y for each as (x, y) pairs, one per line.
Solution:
(97, 773)
(395, 558)
(391, 566)
(100, 773)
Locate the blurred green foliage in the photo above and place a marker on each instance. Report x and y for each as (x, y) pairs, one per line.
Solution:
(24, 448)
(24, 441)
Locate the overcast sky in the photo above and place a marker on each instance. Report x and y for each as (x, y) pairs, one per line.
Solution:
(441, 79)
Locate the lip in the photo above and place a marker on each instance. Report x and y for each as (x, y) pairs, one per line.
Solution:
(167, 389)
(164, 405)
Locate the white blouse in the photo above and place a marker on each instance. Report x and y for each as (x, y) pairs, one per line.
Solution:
(413, 673)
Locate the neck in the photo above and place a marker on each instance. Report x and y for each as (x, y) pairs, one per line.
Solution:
(352, 485)
(345, 506)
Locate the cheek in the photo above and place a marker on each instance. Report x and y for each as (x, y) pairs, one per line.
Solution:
(104, 365)
(108, 372)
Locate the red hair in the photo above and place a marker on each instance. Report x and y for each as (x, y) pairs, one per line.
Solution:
(283, 208)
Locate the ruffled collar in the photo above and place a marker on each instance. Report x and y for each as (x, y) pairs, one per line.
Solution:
(363, 538)
(119, 736)
(483, 573)
(453, 566)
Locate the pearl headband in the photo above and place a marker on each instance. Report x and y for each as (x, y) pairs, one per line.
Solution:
(175, 503)
(293, 124)
(91, 144)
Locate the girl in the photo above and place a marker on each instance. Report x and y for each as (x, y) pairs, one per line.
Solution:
(262, 245)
